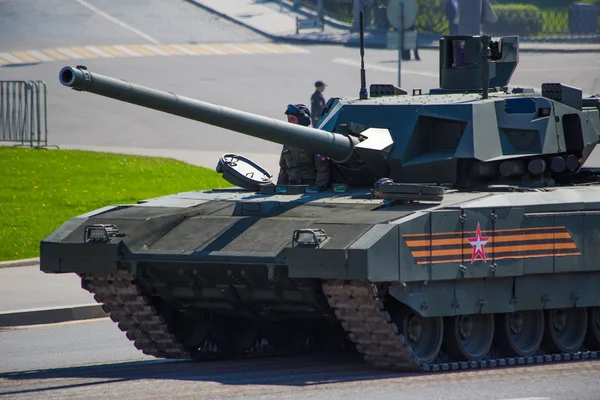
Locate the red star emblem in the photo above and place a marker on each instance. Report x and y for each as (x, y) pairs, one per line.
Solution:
(478, 242)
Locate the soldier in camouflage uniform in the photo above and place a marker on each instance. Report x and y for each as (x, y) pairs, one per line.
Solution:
(297, 166)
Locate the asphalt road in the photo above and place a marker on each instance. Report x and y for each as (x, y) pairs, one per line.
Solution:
(260, 83)
(94, 359)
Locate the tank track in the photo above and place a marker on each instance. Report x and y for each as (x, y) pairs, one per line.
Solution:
(127, 305)
(367, 323)
(124, 302)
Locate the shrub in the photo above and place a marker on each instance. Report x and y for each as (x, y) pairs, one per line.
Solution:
(516, 19)
(432, 16)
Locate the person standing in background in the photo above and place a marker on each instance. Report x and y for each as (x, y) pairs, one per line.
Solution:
(452, 15)
(317, 103)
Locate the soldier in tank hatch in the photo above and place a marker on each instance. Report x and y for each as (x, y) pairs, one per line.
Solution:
(297, 166)
(377, 193)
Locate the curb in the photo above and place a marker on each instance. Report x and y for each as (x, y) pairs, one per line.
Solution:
(307, 12)
(28, 262)
(228, 18)
(41, 316)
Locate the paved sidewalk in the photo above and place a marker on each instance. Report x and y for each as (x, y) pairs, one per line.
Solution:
(27, 288)
(279, 23)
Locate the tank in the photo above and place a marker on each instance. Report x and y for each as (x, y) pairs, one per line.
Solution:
(482, 253)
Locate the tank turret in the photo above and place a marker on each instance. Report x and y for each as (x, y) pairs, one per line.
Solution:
(471, 131)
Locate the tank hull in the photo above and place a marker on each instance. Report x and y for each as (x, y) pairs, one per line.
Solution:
(215, 273)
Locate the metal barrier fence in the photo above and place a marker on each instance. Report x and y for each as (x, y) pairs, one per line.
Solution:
(23, 116)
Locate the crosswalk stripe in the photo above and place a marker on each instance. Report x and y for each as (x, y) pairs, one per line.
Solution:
(297, 49)
(197, 49)
(83, 52)
(98, 52)
(25, 57)
(39, 55)
(155, 50)
(86, 52)
(211, 49)
(169, 49)
(238, 49)
(279, 48)
(253, 49)
(10, 58)
(224, 48)
(184, 50)
(69, 53)
(270, 50)
(112, 50)
(55, 54)
(139, 50)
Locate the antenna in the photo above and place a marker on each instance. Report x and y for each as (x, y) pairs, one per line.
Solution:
(363, 81)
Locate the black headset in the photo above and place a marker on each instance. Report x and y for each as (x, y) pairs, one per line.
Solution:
(300, 111)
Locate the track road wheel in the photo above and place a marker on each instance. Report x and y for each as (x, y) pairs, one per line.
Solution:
(565, 329)
(592, 340)
(520, 333)
(423, 334)
(468, 337)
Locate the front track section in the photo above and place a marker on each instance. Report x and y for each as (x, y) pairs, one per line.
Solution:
(159, 330)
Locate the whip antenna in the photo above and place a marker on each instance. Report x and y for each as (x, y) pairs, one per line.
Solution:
(363, 81)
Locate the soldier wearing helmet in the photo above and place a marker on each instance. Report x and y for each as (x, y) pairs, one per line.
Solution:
(377, 193)
(297, 166)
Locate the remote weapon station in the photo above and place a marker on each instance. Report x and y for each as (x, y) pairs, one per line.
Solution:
(482, 252)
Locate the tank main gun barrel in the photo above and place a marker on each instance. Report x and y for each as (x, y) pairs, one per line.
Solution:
(334, 145)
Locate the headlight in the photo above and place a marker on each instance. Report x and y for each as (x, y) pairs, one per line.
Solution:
(309, 236)
(99, 233)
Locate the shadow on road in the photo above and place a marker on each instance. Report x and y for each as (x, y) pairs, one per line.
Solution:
(305, 370)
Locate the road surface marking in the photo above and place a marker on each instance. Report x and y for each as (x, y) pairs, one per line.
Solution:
(278, 48)
(55, 54)
(112, 50)
(11, 59)
(223, 48)
(83, 52)
(95, 50)
(382, 68)
(116, 21)
(195, 49)
(170, 49)
(140, 50)
(134, 50)
(252, 48)
(211, 49)
(155, 50)
(269, 49)
(39, 55)
(239, 49)
(25, 57)
(297, 49)
(69, 53)
(184, 50)
(127, 51)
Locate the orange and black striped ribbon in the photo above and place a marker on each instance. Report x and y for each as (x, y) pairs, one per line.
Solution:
(554, 241)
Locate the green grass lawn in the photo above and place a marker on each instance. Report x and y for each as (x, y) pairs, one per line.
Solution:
(41, 189)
